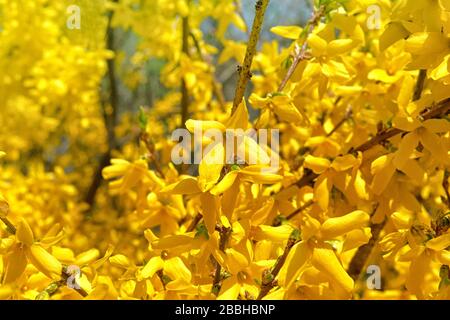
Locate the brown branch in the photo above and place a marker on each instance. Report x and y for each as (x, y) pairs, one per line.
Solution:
(419, 84)
(278, 220)
(301, 209)
(301, 53)
(245, 71)
(445, 185)
(268, 281)
(184, 89)
(145, 137)
(194, 222)
(110, 117)
(9, 226)
(348, 115)
(224, 235)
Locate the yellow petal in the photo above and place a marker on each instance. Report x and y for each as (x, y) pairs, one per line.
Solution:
(230, 289)
(344, 162)
(405, 149)
(317, 44)
(6, 291)
(424, 43)
(286, 111)
(176, 269)
(322, 189)
(276, 234)
(210, 208)
(383, 170)
(239, 119)
(441, 70)
(437, 125)
(413, 170)
(439, 243)
(295, 261)
(433, 143)
(406, 123)
(340, 46)
(229, 198)
(338, 226)
(259, 174)
(210, 167)
(418, 271)
(15, 265)
(203, 125)
(171, 241)
(4, 206)
(117, 168)
(24, 233)
(316, 164)
(151, 267)
(120, 261)
(44, 261)
(185, 186)
(235, 260)
(254, 154)
(361, 186)
(325, 260)
(87, 257)
(356, 238)
(443, 257)
(98, 263)
(406, 91)
(393, 33)
(289, 32)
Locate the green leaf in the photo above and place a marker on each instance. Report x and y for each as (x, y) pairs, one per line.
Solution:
(202, 231)
(143, 119)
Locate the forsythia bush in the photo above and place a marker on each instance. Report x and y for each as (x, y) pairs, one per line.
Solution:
(358, 207)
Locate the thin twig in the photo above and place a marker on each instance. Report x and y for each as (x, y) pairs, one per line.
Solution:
(224, 235)
(110, 118)
(419, 84)
(194, 222)
(9, 226)
(348, 115)
(269, 277)
(301, 209)
(301, 53)
(145, 137)
(245, 71)
(445, 185)
(184, 89)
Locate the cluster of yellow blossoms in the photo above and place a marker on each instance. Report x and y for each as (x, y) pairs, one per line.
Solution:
(360, 96)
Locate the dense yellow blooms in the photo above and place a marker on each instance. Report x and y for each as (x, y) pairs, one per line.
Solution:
(360, 98)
